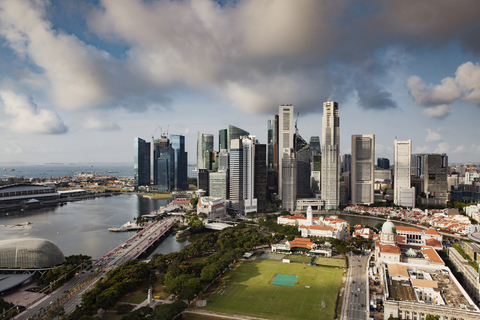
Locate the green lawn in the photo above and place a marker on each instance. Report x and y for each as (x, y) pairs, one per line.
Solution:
(246, 291)
(330, 262)
(299, 258)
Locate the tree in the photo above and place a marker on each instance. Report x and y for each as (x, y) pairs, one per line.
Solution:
(195, 224)
(431, 317)
(194, 202)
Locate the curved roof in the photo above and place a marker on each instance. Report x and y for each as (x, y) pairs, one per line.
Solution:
(29, 254)
(388, 227)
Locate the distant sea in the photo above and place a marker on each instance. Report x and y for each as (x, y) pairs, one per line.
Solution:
(56, 170)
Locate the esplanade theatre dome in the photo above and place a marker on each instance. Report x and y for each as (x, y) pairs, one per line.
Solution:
(29, 254)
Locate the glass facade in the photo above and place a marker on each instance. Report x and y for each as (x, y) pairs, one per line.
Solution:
(234, 133)
(29, 254)
(166, 169)
(141, 163)
(222, 139)
(181, 162)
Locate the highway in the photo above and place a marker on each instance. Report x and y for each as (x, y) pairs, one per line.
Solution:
(355, 289)
(70, 294)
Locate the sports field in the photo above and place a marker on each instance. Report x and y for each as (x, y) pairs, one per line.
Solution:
(247, 291)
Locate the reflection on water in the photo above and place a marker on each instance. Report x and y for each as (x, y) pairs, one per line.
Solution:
(82, 227)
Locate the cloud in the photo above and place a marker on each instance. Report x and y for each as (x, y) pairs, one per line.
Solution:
(255, 54)
(24, 117)
(465, 86)
(437, 112)
(433, 136)
(423, 149)
(442, 147)
(459, 149)
(95, 123)
(431, 95)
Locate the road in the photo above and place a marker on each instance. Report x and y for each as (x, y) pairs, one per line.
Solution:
(355, 290)
(70, 294)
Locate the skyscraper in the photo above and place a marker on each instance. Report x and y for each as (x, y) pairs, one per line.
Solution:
(222, 139)
(141, 163)
(260, 190)
(435, 179)
(157, 144)
(204, 144)
(315, 145)
(383, 163)
(346, 163)
(165, 168)
(363, 168)
(234, 133)
(403, 193)
(302, 150)
(272, 154)
(181, 161)
(330, 155)
(249, 200)
(235, 185)
(285, 138)
(289, 179)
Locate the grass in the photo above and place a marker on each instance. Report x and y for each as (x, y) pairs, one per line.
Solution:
(246, 291)
(299, 258)
(330, 262)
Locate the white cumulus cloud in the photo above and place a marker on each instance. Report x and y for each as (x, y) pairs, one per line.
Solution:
(440, 111)
(442, 147)
(24, 117)
(433, 136)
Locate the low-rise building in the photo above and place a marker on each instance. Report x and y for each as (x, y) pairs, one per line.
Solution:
(214, 208)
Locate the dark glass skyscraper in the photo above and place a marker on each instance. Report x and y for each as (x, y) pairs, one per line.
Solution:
(222, 139)
(315, 145)
(234, 133)
(383, 163)
(181, 161)
(166, 169)
(141, 163)
(272, 155)
(157, 144)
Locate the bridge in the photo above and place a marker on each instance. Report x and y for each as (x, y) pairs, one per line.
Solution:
(70, 294)
(137, 244)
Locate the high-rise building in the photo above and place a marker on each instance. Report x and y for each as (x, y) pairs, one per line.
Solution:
(157, 144)
(260, 190)
(383, 163)
(272, 151)
(165, 168)
(249, 200)
(330, 155)
(435, 179)
(289, 179)
(141, 163)
(285, 138)
(235, 181)
(223, 157)
(222, 139)
(302, 150)
(363, 168)
(234, 133)
(418, 164)
(346, 163)
(218, 185)
(315, 145)
(181, 161)
(403, 193)
(203, 180)
(204, 144)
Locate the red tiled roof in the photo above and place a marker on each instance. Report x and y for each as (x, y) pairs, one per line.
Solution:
(431, 254)
(432, 232)
(433, 243)
(317, 228)
(387, 248)
(411, 229)
(301, 243)
(401, 239)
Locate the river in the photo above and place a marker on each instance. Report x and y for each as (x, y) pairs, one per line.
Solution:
(81, 227)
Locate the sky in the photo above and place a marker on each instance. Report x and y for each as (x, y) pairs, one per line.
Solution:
(80, 79)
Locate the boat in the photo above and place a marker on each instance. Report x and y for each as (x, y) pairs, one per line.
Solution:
(6, 169)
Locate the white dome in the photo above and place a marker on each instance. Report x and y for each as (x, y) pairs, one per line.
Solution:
(388, 227)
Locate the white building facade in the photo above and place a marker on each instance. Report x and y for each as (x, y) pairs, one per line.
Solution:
(403, 193)
(363, 169)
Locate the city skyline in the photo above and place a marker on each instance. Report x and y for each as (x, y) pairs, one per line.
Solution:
(77, 86)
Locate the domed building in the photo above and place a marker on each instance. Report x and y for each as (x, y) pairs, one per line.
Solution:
(29, 254)
(389, 233)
